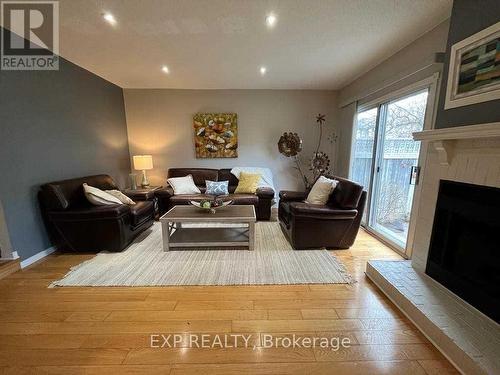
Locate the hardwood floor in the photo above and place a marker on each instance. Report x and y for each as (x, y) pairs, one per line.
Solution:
(108, 330)
(8, 267)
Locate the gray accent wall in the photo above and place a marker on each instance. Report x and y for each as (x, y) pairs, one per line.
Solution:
(467, 18)
(55, 125)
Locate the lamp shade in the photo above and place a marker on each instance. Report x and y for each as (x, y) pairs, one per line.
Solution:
(143, 162)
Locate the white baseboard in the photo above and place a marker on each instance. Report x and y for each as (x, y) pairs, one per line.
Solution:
(12, 256)
(42, 254)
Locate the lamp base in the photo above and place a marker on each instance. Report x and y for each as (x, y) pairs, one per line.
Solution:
(145, 182)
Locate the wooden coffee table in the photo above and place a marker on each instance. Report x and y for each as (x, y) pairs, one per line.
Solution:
(175, 235)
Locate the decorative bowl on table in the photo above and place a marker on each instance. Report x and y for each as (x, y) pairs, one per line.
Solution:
(210, 205)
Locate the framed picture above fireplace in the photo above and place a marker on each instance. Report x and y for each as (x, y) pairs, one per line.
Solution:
(474, 70)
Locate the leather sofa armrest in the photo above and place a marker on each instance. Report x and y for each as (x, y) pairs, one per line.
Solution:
(323, 212)
(140, 195)
(291, 196)
(91, 213)
(165, 192)
(265, 193)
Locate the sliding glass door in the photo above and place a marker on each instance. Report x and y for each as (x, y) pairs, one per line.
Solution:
(362, 151)
(384, 160)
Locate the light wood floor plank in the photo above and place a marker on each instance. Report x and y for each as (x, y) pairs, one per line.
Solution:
(55, 357)
(169, 326)
(54, 341)
(295, 325)
(214, 305)
(235, 355)
(377, 352)
(134, 341)
(316, 368)
(437, 367)
(159, 316)
(41, 305)
(87, 370)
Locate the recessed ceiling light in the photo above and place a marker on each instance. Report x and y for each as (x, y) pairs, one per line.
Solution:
(271, 20)
(109, 18)
(165, 69)
(263, 70)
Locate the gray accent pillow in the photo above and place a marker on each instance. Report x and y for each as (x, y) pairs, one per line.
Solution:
(217, 187)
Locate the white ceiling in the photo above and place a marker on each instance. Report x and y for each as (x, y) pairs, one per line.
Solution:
(217, 44)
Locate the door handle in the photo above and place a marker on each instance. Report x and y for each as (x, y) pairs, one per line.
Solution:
(414, 175)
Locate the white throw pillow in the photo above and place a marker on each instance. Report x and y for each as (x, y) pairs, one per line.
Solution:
(321, 190)
(99, 197)
(183, 185)
(122, 197)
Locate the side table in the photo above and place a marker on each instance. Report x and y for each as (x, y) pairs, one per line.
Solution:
(144, 194)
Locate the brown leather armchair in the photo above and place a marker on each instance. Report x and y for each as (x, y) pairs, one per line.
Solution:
(72, 221)
(334, 225)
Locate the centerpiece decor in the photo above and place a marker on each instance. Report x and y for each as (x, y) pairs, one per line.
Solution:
(211, 205)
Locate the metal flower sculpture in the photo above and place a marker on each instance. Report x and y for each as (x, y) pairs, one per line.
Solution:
(320, 163)
(290, 144)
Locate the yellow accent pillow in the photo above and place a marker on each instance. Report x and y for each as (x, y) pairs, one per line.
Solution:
(248, 183)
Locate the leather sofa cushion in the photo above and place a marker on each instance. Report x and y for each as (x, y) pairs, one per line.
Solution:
(64, 194)
(199, 174)
(164, 193)
(226, 175)
(244, 199)
(323, 211)
(289, 195)
(237, 198)
(185, 198)
(144, 195)
(285, 208)
(141, 211)
(346, 195)
(265, 192)
(91, 213)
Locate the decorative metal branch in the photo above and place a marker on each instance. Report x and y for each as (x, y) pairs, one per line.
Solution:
(307, 184)
(290, 145)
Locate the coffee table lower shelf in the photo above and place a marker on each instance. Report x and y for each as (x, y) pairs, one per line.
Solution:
(209, 237)
(188, 227)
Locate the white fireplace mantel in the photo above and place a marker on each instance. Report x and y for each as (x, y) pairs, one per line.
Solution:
(444, 139)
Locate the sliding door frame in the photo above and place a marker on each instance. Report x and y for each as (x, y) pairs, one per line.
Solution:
(351, 157)
(431, 84)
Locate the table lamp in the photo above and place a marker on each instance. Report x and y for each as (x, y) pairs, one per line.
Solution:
(143, 163)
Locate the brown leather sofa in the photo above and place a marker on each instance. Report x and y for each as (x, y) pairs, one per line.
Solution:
(72, 221)
(262, 199)
(334, 225)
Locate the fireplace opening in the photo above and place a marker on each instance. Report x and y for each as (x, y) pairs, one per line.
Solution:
(464, 253)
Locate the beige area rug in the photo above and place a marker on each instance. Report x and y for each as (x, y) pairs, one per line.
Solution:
(144, 263)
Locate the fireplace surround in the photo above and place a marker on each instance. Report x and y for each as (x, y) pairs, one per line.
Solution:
(463, 253)
(469, 338)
